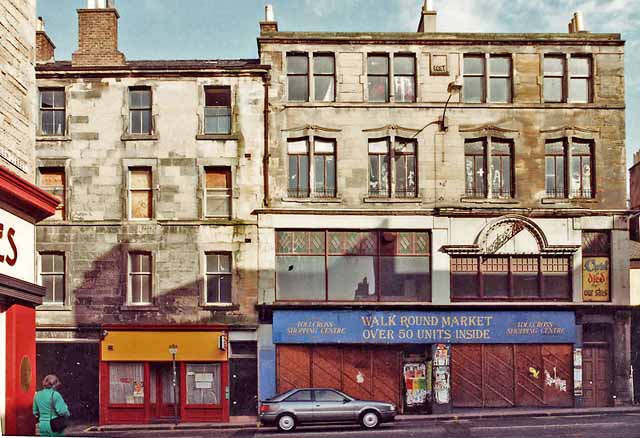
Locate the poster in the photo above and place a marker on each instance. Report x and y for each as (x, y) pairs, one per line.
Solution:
(138, 389)
(441, 385)
(577, 372)
(415, 383)
(595, 279)
(441, 357)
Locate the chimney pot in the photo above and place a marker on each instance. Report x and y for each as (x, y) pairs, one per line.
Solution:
(578, 24)
(428, 5)
(40, 25)
(268, 13)
(45, 49)
(101, 4)
(269, 24)
(571, 26)
(427, 18)
(91, 4)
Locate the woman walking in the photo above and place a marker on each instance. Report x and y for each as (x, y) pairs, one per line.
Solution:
(49, 404)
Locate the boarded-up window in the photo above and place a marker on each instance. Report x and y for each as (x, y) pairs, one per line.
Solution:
(52, 277)
(218, 277)
(140, 193)
(52, 180)
(139, 278)
(218, 192)
(203, 384)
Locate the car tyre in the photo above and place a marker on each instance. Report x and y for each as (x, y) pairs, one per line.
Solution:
(286, 423)
(370, 420)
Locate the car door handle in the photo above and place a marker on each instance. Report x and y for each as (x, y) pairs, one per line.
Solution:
(317, 406)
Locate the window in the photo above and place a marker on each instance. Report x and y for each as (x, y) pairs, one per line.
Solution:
(301, 396)
(139, 278)
(403, 174)
(218, 278)
(140, 193)
(324, 77)
(404, 78)
(52, 111)
(378, 78)
(326, 395)
(52, 181)
(126, 383)
(578, 89)
(203, 384)
(217, 192)
(140, 110)
(522, 277)
(499, 153)
(353, 266)
(298, 77)
(562, 181)
(476, 80)
(323, 168)
(217, 110)
(52, 277)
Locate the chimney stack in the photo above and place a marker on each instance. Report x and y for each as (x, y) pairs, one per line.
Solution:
(44, 46)
(98, 35)
(576, 24)
(427, 18)
(269, 24)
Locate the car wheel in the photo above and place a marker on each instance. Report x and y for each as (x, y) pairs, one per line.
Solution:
(286, 423)
(370, 420)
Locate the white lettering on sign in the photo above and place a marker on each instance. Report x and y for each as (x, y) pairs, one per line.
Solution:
(17, 245)
(12, 158)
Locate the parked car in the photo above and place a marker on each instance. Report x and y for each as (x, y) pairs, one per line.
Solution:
(322, 405)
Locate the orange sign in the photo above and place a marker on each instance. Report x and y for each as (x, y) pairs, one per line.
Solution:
(595, 279)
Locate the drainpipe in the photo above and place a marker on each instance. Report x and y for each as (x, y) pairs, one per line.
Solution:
(265, 154)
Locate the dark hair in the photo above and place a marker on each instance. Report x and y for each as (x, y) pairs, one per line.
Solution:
(51, 381)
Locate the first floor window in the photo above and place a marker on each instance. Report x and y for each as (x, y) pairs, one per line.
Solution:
(203, 384)
(140, 193)
(126, 383)
(52, 274)
(581, 174)
(298, 77)
(52, 111)
(475, 168)
(217, 192)
(312, 167)
(218, 277)
(140, 278)
(495, 179)
(402, 173)
(52, 180)
(217, 110)
(298, 152)
(569, 168)
(378, 78)
(140, 110)
(324, 162)
(523, 277)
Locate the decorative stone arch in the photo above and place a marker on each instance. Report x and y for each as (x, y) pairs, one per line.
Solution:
(522, 234)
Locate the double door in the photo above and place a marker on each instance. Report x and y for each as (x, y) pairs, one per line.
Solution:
(162, 397)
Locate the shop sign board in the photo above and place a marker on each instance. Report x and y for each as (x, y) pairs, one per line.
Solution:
(595, 279)
(17, 247)
(423, 327)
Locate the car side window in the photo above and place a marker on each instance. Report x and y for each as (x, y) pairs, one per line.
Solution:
(328, 396)
(300, 396)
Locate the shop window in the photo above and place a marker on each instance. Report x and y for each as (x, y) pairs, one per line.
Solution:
(52, 111)
(569, 168)
(140, 110)
(404, 78)
(140, 277)
(324, 77)
(52, 273)
(52, 181)
(353, 265)
(218, 281)
(140, 193)
(203, 384)
(126, 383)
(217, 110)
(217, 192)
(526, 277)
(477, 78)
(298, 77)
(378, 78)
(499, 154)
(403, 155)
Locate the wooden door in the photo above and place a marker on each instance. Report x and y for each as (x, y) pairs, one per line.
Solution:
(498, 376)
(162, 398)
(557, 361)
(466, 376)
(595, 376)
(294, 367)
(529, 375)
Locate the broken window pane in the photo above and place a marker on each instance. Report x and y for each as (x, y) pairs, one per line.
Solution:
(300, 277)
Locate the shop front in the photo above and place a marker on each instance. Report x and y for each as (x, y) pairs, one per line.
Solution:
(163, 374)
(429, 361)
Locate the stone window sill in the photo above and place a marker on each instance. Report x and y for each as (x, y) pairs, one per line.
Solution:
(313, 200)
(138, 137)
(370, 199)
(504, 201)
(54, 308)
(568, 200)
(140, 307)
(220, 306)
(53, 138)
(230, 136)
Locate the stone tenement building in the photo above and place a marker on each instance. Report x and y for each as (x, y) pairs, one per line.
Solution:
(158, 165)
(445, 221)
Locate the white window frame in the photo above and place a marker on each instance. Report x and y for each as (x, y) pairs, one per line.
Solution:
(207, 273)
(130, 275)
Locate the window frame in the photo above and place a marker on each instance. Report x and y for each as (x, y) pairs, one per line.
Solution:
(386, 75)
(312, 73)
(305, 75)
(54, 109)
(486, 76)
(208, 273)
(484, 191)
(392, 154)
(413, 76)
(567, 76)
(557, 194)
(589, 77)
(51, 189)
(310, 155)
(562, 76)
(508, 76)
(61, 274)
(482, 76)
(299, 192)
(381, 158)
(226, 88)
(487, 156)
(140, 109)
(218, 192)
(131, 190)
(325, 193)
(131, 274)
(570, 192)
(481, 273)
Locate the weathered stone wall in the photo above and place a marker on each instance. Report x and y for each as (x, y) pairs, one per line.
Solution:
(96, 235)
(17, 86)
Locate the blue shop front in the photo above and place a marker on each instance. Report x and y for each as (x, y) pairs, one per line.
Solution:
(426, 361)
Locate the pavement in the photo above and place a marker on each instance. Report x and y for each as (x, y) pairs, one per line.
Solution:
(459, 414)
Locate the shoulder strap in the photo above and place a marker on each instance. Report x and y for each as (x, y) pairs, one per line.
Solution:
(53, 406)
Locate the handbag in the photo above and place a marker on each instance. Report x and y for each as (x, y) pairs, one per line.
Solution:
(59, 423)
